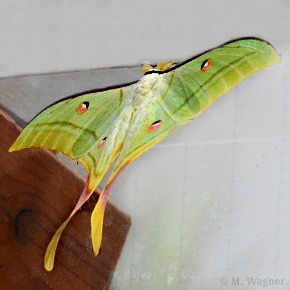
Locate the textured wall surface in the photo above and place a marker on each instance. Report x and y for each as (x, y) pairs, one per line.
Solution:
(213, 199)
(53, 35)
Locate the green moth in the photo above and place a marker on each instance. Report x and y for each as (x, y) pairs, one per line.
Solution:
(122, 122)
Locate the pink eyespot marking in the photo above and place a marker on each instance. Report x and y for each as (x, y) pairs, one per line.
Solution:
(83, 107)
(101, 144)
(154, 126)
(206, 65)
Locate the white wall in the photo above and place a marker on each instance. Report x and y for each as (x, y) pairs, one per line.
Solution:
(213, 199)
(52, 35)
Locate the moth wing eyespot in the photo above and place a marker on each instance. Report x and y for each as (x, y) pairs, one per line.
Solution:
(206, 65)
(154, 126)
(83, 107)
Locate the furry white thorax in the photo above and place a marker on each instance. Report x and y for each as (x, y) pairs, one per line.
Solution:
(143, 94)
(138, 100)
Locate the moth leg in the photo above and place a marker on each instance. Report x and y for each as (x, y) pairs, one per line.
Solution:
(165, 65)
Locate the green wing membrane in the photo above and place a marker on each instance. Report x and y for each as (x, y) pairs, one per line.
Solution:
(123, 117)
(61, 128)
(187, 90)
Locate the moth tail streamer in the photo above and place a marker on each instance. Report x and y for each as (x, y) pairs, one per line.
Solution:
(51, 248)
(97, 219)
(97, 216)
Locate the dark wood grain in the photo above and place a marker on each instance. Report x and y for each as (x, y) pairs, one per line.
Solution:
(37, 193)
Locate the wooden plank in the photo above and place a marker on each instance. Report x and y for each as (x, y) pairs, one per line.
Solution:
(37, 193)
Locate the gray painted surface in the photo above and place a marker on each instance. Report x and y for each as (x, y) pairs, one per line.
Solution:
(52, 35)
(213, 199)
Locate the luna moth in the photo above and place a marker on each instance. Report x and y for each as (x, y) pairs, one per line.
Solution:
(122, 122)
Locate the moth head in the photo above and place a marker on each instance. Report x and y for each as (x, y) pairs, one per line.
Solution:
(161, 66)
(146, 68)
